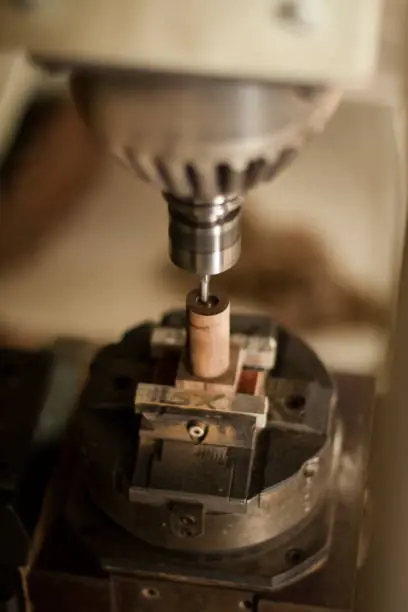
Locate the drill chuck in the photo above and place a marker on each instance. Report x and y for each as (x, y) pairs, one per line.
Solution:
(204, 238)
(204, 142)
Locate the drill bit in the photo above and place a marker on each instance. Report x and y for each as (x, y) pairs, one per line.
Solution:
(204, 288)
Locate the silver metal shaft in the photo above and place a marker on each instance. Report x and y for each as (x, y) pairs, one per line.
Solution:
(204, 288)
(204, 238)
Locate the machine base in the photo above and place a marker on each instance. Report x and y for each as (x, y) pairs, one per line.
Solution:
(65, 575)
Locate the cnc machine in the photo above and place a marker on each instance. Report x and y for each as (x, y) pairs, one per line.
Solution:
(201, 468)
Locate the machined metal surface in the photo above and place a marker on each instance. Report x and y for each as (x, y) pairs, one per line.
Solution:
(91, 563)
(204, 238)
(197, 137)
(203, 142)
(65, 574)
(169, 415)
(183, 505)
(205, 288)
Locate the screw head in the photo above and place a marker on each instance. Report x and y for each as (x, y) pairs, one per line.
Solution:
(197, 431)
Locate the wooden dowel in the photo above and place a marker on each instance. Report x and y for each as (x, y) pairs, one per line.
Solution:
(208, 335)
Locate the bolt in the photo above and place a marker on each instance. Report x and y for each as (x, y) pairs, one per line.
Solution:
(150, 593)
(311, 468)
(295, 402)
(197, 431)
(188, 520)
(294, 556)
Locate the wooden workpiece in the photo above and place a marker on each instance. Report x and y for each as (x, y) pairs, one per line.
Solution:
(208, 329)
(225, 384)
